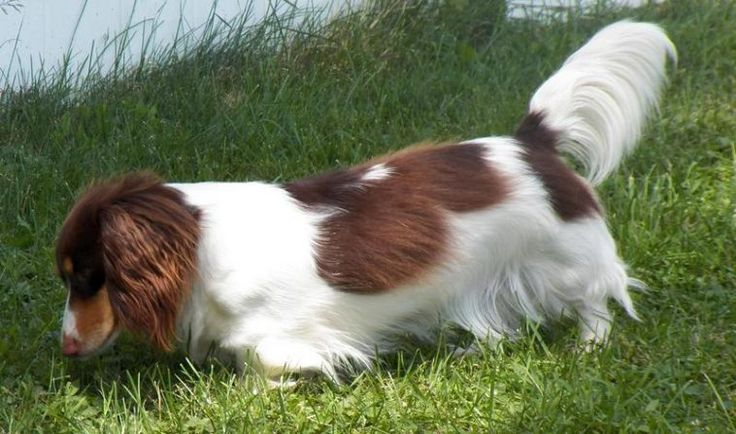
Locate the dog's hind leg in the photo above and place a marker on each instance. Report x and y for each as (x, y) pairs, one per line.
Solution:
(596, 273)
(594, 321)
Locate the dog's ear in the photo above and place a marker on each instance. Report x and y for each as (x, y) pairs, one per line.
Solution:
(149, 237)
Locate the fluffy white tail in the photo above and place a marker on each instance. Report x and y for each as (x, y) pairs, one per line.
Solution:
(600, 98)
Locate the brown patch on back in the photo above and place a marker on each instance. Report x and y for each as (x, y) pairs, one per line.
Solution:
(570, 196)
(390, 232)
(136, 238)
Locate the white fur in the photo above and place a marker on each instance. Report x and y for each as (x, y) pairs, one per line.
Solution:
(603, 94)
(258, 296)
(69, 322)
(376, 173)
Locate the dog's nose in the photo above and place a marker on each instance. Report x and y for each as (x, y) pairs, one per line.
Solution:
(69, 346)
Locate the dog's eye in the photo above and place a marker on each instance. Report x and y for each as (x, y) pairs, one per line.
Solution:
(97, 279)
(86, 283)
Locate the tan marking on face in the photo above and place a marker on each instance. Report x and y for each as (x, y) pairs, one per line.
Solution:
(67, 266)
(94, 319)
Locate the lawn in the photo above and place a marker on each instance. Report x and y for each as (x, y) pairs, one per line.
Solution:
(279, 102)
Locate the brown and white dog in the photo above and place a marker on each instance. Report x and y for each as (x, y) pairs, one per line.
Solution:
(308, 275)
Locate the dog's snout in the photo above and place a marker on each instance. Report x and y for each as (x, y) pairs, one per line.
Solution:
(69, 346)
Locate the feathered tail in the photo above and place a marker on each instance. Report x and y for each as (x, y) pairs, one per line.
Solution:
(600, 98)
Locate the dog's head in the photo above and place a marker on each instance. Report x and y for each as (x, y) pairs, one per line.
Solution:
(125, 253)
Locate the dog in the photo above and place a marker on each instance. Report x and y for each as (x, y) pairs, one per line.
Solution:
(311, 275)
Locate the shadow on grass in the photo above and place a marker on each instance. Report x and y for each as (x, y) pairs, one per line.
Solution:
(145, 371)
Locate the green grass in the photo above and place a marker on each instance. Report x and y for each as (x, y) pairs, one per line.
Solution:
(246, 109)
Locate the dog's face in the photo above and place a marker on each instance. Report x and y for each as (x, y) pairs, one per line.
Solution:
(90, 324)
(125, 253)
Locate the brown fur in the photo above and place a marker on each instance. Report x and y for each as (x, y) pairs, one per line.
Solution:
(390, 232)
(67, 266)
(136, 238)
(94, 317)
(570, 196)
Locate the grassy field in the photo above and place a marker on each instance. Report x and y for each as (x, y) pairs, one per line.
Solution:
(246, 109)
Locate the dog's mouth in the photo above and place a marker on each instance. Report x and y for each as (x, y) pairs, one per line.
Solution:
(86, 354)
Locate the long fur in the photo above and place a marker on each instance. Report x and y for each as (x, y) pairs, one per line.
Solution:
(604, 92)
(481, 234)
(512, 261)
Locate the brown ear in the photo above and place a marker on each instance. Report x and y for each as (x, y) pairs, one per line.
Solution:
(149, 240)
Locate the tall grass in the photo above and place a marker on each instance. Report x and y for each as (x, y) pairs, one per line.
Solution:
(287, 98)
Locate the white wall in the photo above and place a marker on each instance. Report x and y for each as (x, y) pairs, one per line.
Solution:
(523, 8)
(43, 32)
